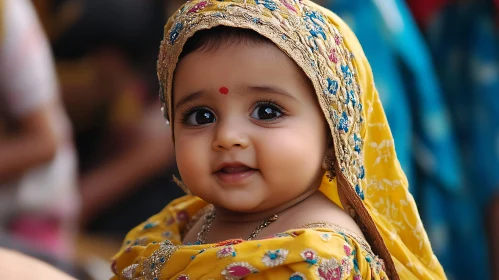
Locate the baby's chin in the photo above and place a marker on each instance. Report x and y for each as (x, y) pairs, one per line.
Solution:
(241, 206)
(243, 203)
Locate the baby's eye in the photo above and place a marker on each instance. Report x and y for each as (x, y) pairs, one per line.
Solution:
(200, 117)
(266, 112)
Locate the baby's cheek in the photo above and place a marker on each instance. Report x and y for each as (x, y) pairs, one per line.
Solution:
(291, 161)
(188, 159)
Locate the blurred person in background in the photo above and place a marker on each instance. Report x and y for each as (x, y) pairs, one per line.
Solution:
(38, 189)
(106, 53)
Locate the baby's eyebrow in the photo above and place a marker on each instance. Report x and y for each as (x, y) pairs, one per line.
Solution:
(270, 89)
(189, 97)
(248, 89)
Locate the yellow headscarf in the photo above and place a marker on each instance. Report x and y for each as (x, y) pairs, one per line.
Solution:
(370, 181)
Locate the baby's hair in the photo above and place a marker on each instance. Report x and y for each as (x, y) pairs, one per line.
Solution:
(210, 40)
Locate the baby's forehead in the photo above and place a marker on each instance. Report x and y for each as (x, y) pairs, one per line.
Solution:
(239, 67)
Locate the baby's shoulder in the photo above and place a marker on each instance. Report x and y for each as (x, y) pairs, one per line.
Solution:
(321, 212)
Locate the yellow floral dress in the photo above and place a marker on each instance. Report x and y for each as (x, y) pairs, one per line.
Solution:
(154, 250)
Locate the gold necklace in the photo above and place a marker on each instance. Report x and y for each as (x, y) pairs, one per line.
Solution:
(208, 220)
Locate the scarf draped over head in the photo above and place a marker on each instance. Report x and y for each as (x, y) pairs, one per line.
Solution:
(372, 185)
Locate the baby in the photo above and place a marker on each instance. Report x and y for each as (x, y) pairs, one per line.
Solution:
(284, 150)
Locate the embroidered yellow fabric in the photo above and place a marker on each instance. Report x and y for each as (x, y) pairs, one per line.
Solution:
(153, 250)
(370, 181)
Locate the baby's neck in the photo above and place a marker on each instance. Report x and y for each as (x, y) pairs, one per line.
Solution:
(227, 216)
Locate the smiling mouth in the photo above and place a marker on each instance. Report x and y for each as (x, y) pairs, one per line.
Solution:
(233, 174)
(235, 169)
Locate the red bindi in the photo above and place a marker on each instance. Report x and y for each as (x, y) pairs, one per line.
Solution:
(224, 90)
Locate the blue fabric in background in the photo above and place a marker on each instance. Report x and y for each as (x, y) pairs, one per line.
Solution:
(425, 140)
(465, 44)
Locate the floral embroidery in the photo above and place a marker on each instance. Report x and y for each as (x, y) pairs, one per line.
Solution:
(359, 191)
(310, 256)
(269, 4)
(347, 74)
(355, 264)
(275, 257)
(332, 86)
(346, 266)
(183, 277)
(329, 270)
(176, 32)
(357, 277)
(153, 264)
(337, 39)
(343, 122)
(333, 56)
(198, 7)
(312, 19)
(357, 143)
(351, 98)
(325, 236)
(289, 6)
(379, 264)
(129, 271)
(347, 249)
(362, 172)
(226, 252)
(238, 270)
(297, 276)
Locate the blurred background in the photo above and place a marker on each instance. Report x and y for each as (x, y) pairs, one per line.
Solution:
(85, 154)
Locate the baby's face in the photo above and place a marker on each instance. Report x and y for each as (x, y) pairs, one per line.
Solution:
(249, 132)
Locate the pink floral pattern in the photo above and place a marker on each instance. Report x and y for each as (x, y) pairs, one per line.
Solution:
(310, 256)
(239, 270)
(348, 250)
(329, 270)
(198, 7)
(333, 56)
(227, 251)
(288, 5)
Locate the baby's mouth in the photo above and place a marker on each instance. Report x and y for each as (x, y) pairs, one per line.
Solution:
(234, 173)
(235, 169)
